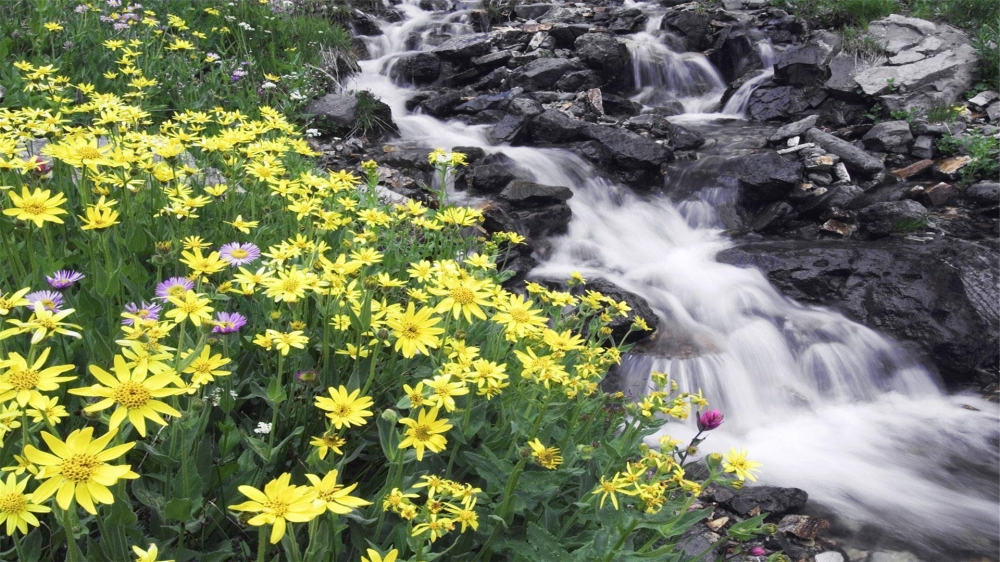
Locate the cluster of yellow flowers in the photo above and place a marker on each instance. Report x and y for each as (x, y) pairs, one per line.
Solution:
(447, 504)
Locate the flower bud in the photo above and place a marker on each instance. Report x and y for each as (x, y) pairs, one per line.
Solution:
(307, 377)
(769, 528)
(382, 334)
(390, 415)
(709, 420)
(757, 551)
(736, 484)
(692, 450)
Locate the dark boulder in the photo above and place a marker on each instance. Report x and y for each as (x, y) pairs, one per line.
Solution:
(691, 26)
(941, 295)
(338, 115)
(983, 194)
(794, 129)
(538, 222)
(532, 11)
(510, 129)
(465, 47)
(766, 499)
(733, 53)
(543, 73)
(807, 64)
(604, 54)
(882, 219)
(442, 105)
(491, 178)
(592, 151)
(520, 193)
(638, 158)
(492, 60)
(488, 101)
(835, 197)
(854, 158)
(888, 136)
(618, 106)
(553, 126)
(781, 102)
(418, 69)
(765, 177)
(772, 218)
(578, 81)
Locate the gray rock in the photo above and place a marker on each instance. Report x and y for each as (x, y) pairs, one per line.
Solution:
(923, 147)
(603, 53)
(488, 101)
(993, 112)
(807, 64)
(465, 46)
(837, 196)
(830, 556)
(492, 60)
(855, 158)
(520, 193)
(442, 105)
(491, 178)
(542, 74)
(510, 129)
(938, 129)
(525, 106)
(888, 136)
(772, 218)
(632, 152)
(794, 129)
(691, 26)
(782, 102)
(552, 126)
(769, 499)
(538, 222)
(697, 543)
(417, 69)
(841, 83)
(337, 115)
(983, 99)
(579, 81)
(892, 556)
(882, 219)
(765, 177)
(532, 11)
(984, 193)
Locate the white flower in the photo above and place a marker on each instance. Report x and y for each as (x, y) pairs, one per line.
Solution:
(263, 428)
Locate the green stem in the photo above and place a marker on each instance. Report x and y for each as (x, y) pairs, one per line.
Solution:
(621, 540)
(261, 543)
(73, 553)
(274, 407)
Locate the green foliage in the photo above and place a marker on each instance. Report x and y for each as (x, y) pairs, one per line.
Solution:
(862, 45)
(498, 11)
(909, 115)
(840, 13)
(909, 225)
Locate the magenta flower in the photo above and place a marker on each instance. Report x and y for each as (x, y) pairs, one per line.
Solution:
(63, 279)
(228, 322)
(50, 300)
(709, 420)
(143, 310)
(236, 253)
(175, 286)
(757, 551)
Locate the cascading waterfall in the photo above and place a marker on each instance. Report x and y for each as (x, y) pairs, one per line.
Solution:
(737, 103)
(828, 405)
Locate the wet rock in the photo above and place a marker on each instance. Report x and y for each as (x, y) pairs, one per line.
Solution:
(491, 178)
(838, 227)
(697, 543)
(492, 60)
(984, 193)
(802, 526)
(678, 137)
(855, 159)
(418, 69)
(807, 64)
(538, 222)
(782, 102)
(510, 129)
(733, 52)
(520, 193)
(487, 117)
(835, 197)
(525, 106)
(772, 218)
(923, 147)
(913, 169)
(938, 129)
(692, 27)
(465, 47)
(941, 295)
(951, 168)
(841, 83)
(592, 151)
(794, 129)
(892, 556)
(768, 499)
(579, 81)
(983, 99)
(627, 21)
(882, 219)
(337, 115)
(888, 136)
(638, 158)
(765, 177)
(939, 194)
(532, 11)
(604, 54)
(552, 126)
(443, 105)
(542, 74)
(640, 309)
(617, 106)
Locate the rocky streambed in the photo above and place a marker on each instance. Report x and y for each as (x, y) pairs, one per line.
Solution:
(820, 276)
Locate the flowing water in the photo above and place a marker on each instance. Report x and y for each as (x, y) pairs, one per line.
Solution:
(826, 404)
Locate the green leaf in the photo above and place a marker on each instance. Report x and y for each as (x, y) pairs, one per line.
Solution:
(276, 392)
(388, 438)
(179, 509)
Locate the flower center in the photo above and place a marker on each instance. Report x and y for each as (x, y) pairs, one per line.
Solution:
(34, 208)
(290, 285)
(88, 153)
(12, 503)
(422, 433)
(80, 467)
(177, 291)
(131, 395)
(410, 331)
(343, 410)
(279, 509)
(239, 253)
(23, 380)
(520, 315)
(463, 295)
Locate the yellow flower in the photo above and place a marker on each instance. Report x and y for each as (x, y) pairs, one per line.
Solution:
(737, 462)
(343, 409)
(425, 432)
(462, 296)
(52, 26)
(98, 218)
(17, 508)
(290, 285)
(180, 45)
(192, 242)
(415, 331)
(81, 151)
(148, 555)
(518, 317)
(285, 341)
(336, 497)
(47, 409)
(374, 556)
(279, 504)
(78, 468)
(134, 394)
(443, 392)
(436, 527)
(39, 206)
(205, 367)
(611, 488)
(328, 443)
(22, 383)
(464, 515)
(191, 306)
(200, 264)
(548, 457)
(243, 226)
(8, 303)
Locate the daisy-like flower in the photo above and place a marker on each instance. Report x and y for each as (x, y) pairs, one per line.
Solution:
(78, 468)
(148, 555)
(228, 322)
(175, 286)
(425, 432)
(345, 409)
(191, 306)
(38, 207)
(201, 264)
(142, 311)
(465, 297)
(50, 300)
(335, 496)
(738, 463)
(206, 367)
(548, 457)
(279, 504)
(16, 299)
(22, 382)
(63, 279)
(133, 393)
(327, 443)
(374, 556)
(415, 331)
(18, 509)
(285, 341)
(236, 253)
(243, 226)
(42, 324)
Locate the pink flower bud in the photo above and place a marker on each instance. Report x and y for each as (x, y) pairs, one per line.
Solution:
(709, 420)
(757, 550)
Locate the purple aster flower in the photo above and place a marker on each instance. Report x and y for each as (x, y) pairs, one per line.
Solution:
(175, 286)
(63, 279)
(236, 253)
(143, 310)
(50, 300)
(228, 322)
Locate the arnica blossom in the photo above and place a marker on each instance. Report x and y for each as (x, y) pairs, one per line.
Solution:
(175, 286)
(345, 409)
(228, 322)
(39, 206)
(42, 324)
(78, 468)
(148, 555)
(738, 463)
(190, 306)
(50, 300)
(142, 311)
(547, 457)
(374, 556)
(63, 279)
(415, 331)
(18, 509)
(22, 382)
(425, 432)
(8, 303)
(335, 496)
(327, 443)
(133, 393)
(236, 253)
(279, 504)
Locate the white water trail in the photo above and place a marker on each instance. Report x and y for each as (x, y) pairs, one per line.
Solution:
(827, 404)
(737, 103)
